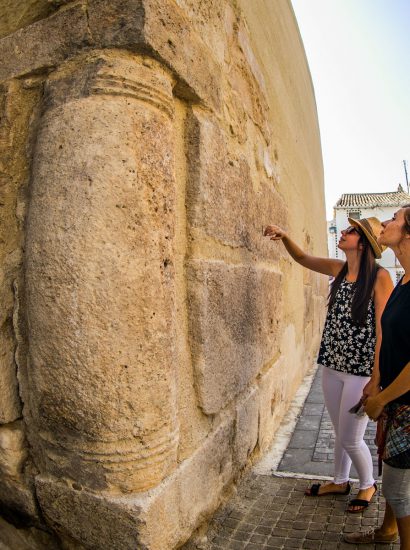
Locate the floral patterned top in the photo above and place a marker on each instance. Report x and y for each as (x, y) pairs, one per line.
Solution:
(347, 346)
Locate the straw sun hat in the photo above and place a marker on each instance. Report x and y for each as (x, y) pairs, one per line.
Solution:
(371, 227)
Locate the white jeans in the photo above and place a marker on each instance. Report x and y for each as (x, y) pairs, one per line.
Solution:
(341, 391)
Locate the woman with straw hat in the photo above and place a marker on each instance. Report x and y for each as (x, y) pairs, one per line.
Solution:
(351, 337)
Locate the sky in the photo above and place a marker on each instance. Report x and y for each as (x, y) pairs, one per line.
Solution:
(359, 57)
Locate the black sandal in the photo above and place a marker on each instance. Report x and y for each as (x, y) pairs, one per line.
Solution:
(314, 491)
(364, 504)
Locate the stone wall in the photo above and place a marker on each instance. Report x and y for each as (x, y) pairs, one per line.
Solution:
(150, 338)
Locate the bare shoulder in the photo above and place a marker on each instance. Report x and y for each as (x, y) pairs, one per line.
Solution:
(383, 275)
(383, 280)
(337, 266)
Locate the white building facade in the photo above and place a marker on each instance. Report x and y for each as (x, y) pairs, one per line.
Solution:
(332, 240)
(366, 205)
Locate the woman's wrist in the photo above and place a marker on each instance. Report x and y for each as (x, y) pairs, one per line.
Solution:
(383, 398)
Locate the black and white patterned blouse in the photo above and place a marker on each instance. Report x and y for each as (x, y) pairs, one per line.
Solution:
(347, 346)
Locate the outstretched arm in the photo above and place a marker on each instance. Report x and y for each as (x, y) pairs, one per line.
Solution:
(327, 266)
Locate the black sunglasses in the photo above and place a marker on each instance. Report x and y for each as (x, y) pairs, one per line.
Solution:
(351, 229)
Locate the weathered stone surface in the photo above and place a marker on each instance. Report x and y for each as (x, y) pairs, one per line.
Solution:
(292, 118)
(169, 135)
(194, 493)
(14, 17)
(156, 25)
(99, 279)
(160, 519)
(26, 52)
(10, 407)
(168, 31)
(17, 109)
(18, 502)
(246, 427)
(116, 24)
(268, 404)
(12, 538)
(13, 451)
(222, 200)
(9, 257)
(233, 327)
(164, 28)
(90, 518)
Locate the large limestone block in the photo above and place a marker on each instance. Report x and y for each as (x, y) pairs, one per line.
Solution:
(99, 273)
(26, 51)
(158, 26)
(160, 519)
(17, 15)
(221, 198)
(233, 327)
(190, 497)
(116, 24)
(163, 26)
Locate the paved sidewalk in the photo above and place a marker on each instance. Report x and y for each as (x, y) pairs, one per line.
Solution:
(270, 512)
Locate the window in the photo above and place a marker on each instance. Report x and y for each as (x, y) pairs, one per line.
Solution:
(355, 214)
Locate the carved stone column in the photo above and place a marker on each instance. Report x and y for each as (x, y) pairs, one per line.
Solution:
(99, 275)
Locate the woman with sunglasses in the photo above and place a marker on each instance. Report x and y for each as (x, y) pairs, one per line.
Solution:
(349, 347)
(391, 405)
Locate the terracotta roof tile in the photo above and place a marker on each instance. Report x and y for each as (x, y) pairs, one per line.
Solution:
(369, 200)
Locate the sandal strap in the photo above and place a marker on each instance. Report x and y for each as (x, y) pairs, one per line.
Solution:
(314, 490)
(359, 502)
(348, 488)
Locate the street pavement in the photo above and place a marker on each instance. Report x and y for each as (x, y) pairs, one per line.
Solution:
(270, 510)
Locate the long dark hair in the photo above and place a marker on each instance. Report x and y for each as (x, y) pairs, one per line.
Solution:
(363, 287)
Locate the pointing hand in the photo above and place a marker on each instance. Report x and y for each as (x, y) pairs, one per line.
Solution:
(274, 232)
